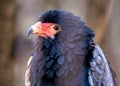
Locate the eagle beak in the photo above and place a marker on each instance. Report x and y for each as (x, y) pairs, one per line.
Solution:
(30, 31)
(45, 30)
(33, 29)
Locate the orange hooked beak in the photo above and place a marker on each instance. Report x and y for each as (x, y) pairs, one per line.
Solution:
(46, 30)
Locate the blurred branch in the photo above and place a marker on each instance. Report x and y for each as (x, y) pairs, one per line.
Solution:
(111, 43)
(7, 11)
(96, 17)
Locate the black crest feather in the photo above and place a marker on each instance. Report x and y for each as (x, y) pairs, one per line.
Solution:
(51, 16)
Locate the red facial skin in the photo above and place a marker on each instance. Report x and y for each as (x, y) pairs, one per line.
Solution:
(45, 29)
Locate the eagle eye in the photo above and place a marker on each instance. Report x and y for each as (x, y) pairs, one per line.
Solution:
(56, 27)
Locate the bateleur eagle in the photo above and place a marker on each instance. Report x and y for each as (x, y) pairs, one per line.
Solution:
(65, 54)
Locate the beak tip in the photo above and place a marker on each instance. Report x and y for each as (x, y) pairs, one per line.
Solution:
(30, 30)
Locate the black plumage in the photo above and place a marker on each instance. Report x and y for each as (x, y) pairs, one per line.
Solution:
(66, 60)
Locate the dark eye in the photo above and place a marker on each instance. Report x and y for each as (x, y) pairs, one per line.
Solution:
(56, 27)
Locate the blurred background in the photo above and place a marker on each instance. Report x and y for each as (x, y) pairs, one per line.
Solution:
(103, 16)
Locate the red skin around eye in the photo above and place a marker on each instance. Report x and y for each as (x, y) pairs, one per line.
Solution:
(47, 29)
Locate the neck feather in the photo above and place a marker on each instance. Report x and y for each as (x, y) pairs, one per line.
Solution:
(49, 49)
